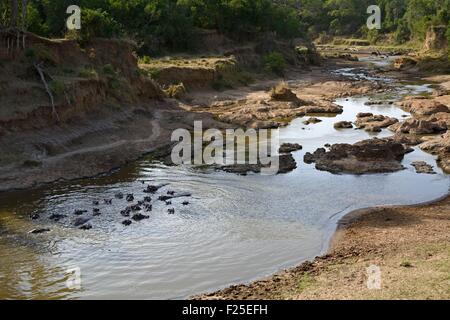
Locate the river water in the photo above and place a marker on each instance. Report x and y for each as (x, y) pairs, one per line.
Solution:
(235, 229)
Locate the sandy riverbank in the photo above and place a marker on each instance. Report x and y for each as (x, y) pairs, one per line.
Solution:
(410, 244)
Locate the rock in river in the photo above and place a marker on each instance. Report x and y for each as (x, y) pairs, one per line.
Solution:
(419, 127)
(373, 123)
(423, 167)
(289, 147)
(343, 125)
(367, 156)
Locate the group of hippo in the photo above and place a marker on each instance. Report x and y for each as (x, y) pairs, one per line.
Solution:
(132, 212)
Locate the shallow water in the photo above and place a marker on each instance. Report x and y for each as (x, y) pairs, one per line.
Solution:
(236, 228)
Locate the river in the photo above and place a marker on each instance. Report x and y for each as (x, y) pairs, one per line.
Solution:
(235, 229)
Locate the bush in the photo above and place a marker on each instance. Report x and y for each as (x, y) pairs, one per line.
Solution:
(57, 87)
(109, 70)
(88, 73)
(145, 60)
(373, 36)
(274, 62)
(98, 23)
(177, 91)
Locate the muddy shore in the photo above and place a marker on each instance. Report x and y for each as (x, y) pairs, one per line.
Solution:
(410, 245)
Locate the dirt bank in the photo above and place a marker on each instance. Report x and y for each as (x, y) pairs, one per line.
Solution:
(100, 110)
(409, 244)
(70, 111)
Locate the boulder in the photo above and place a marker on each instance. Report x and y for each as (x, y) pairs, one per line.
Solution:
(322, 107)
(373, 123)
(404, 63)
(423, 107)
(439, 146)
(343, 125)
(419, 127)
(367, 156)
(282, 93)
(289, 147)
(312, 120)
(423, 167)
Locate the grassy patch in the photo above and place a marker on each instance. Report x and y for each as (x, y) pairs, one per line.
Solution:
(274, 63)
(176, 91)
(57, 87)
(145, 60)
(108, 70)
(88, 73)
(305, 281)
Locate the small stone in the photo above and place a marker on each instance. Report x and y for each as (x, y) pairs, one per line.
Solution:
(423, 167)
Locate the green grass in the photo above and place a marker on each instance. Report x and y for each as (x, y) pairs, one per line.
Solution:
(305, 281)
(88, 73)
(57, 87)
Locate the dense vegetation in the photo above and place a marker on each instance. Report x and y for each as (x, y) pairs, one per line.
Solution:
(171, 24)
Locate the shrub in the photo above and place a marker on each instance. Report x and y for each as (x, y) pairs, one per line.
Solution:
(108, 70)
(145, 60)
(88, 73)
(176, 91)
(57, 87)
(30, 53)
(274, 62)
(98, 23)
